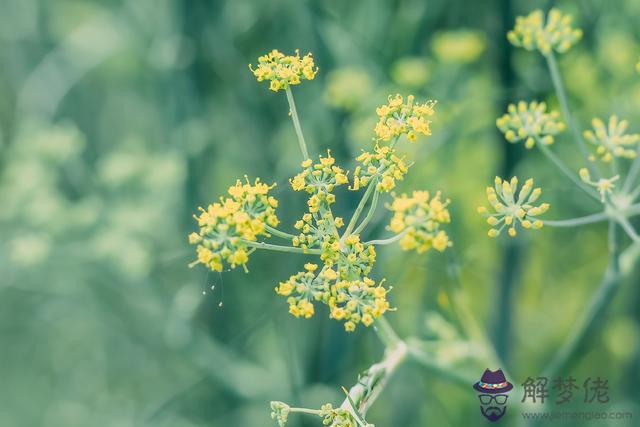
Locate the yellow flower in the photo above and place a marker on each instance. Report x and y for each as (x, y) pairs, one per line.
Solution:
(225, 224)
(512, 207)
(381, 164)
(553, 33)
(284, 70)
(610, 140)
(530, 123)
(319, 178)
(604, 186)
(419, 217)
(398, 118)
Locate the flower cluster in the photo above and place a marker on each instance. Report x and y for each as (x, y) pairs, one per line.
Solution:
(226, 226)
(284, 70)
(342, 284)
(532, 32)
(604, 186)
(382, 164)
(337, 417)
(509, 209)
(397, 118)
(610, 140)
(418, 219)
(317, 230)
(530, 123)
(320, 178)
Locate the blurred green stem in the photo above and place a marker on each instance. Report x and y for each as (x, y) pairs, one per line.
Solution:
(296, 124)
(564, 106)
(620, 266)
(633, 172)
(279, 248)
(278, 233)
(565, 170)
(589, 219)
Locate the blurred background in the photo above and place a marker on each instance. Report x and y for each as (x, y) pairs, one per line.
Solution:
(118, 118)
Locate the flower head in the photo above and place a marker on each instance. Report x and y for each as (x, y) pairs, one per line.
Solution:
(280, 412)
(530, 123)
(512, 207)
(317, 230)
(227, 225)
(604, 186)
(284, 70)
(534, 32)
(610, 140)
(321, 177)
(397, 118)
(419, 217)
(382, 164)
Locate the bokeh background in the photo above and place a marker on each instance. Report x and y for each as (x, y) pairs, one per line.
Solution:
(118, 118)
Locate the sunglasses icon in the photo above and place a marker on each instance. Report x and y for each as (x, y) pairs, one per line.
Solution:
(486, 399)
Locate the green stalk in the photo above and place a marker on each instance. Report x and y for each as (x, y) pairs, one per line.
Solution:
(565, 170)
(620, 266)
(279, 248)
(389, 240)
(296, 124)
(633, 172)
(356, 214)
(370, 213)
(278, 233)
(552, 64)
(573, 222)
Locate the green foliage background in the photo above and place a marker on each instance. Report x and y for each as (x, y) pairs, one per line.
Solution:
(119, 118)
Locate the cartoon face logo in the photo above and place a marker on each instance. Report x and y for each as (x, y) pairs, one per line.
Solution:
(492, 391)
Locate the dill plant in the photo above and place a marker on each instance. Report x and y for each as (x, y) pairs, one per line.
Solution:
(233, 228)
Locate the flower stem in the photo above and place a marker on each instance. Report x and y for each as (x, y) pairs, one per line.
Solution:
(280, 248)
(278, 233)
(560, 164)
(552, 64)
(628, 228)
(370, 213)
(389, 240)
(620, 266)
(296, 124)
(356, 214)
(373, 381)
(633, 172)
(589, 219)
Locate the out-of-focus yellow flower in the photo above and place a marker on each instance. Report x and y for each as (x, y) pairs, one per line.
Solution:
(284, 70)
(512, 207)
(412, 72)
(347, 88)
(458, 46)
(382, 164)
(419, 217)
(397, 118)
(225, 224)
(534, 32)
(610, 140)
(530, 123)
(604, 186)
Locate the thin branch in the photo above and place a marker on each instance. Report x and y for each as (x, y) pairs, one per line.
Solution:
(565, 170)
(574, 222)
(356, 214)
(552, 64)
(389, 240)
(370, 213)
(280, 248)
(296, 124)
(278, 233)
